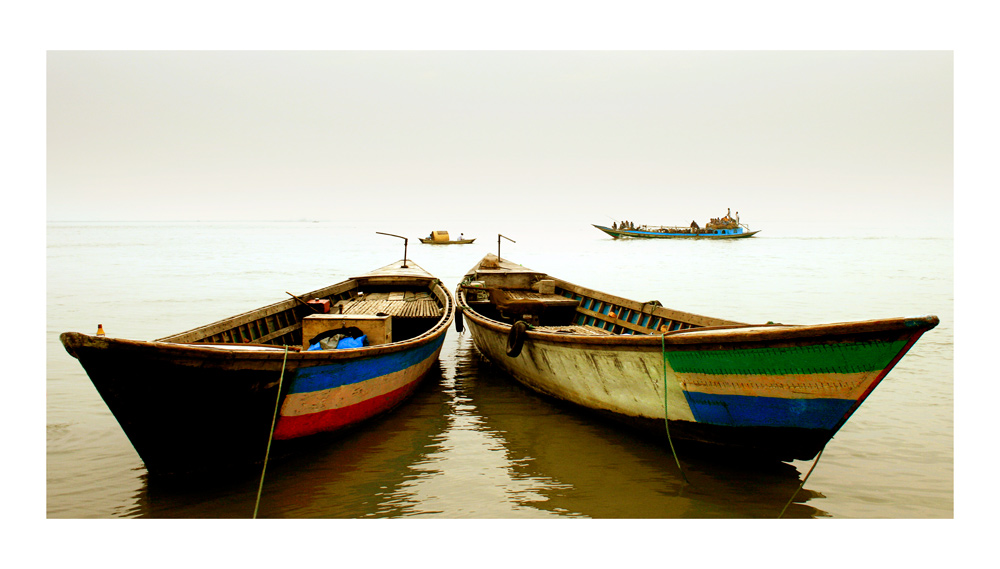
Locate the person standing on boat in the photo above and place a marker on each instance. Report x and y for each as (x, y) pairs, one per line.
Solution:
(461, 236)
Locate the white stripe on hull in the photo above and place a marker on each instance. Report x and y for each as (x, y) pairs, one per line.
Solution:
(296, 404)
(789, 386)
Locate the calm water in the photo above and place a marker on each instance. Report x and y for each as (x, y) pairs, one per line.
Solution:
(472, 443)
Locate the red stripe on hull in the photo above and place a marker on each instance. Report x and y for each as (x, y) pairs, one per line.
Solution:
(292, 427)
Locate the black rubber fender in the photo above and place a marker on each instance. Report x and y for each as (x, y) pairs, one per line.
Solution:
(515, 339)
(459, 325)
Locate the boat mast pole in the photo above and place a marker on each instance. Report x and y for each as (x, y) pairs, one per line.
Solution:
(405, 243)
(498, 243)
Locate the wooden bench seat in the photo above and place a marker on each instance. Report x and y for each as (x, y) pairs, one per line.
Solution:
(573, 329)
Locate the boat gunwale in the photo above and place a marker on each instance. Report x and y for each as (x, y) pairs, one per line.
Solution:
(734, 332)
(811, 333)
(296, 354)
(657, 310)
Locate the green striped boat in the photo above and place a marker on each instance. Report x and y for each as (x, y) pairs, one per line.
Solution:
(770, 391)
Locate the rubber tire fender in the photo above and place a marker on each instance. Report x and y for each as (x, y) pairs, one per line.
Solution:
(515, 339)
(459, 325)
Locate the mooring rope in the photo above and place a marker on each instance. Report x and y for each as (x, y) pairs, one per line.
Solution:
(274, 420)
(666, 418)
(796, 493)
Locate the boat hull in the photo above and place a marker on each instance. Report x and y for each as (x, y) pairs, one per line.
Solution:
(769, 392)
(330, 396)
(194, 409)
(187, 410)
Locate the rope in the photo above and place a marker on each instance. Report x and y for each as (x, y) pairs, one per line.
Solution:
(663, 350)
(815, 462)
(274, 420)
(666, 419)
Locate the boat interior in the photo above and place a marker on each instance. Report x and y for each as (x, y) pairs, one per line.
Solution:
(401, 310)
(510, 293)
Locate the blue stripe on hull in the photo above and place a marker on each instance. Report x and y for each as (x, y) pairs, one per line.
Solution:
(747, 411)
(322, 377)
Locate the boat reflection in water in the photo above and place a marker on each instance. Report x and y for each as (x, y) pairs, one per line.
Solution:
(599, 469)
(473, 444)
(350, 475)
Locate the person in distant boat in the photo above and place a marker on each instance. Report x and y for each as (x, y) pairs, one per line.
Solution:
(614, 225)
(737, 218)
(461, 236)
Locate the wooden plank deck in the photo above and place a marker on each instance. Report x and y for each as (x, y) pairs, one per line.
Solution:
(398, 304)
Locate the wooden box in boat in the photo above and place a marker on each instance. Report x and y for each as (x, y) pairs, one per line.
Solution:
(376, 328)
(766, 391)
(204, 400)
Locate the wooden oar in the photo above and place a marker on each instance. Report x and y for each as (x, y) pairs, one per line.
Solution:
(311, 307)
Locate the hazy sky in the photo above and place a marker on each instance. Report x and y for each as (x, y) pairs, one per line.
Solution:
(653, 136)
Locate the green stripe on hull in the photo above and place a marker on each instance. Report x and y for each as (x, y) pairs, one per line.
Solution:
(824, 358)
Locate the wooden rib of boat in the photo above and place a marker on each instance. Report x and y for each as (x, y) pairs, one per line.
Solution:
(768, 391)
(204, 400)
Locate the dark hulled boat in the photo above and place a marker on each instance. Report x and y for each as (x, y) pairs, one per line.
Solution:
(204, 401)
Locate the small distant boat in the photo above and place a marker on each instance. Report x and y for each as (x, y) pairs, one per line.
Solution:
(725, 227)
(764, 391)
(442, 238)
(204, 401)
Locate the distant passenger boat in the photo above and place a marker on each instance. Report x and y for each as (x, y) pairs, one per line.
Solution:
(204, 401)
(725, 227)
(766, 391)
(442, 238)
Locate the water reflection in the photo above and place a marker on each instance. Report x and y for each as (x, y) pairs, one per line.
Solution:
(599, 470)
(472, 472)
